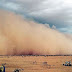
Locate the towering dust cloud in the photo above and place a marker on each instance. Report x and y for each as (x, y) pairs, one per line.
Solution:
(20, 37)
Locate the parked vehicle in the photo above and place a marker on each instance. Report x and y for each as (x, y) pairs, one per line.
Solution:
(67, 63)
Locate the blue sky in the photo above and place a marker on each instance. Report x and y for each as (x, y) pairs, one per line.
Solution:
(53, 12)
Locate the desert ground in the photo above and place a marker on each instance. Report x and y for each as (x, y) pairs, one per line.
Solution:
(36, 63)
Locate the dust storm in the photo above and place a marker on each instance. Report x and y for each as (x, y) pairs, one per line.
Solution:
(19, 36)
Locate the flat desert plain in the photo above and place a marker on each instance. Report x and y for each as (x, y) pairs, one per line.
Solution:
(36, 63)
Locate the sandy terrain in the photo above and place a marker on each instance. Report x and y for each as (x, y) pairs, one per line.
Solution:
(36, 63)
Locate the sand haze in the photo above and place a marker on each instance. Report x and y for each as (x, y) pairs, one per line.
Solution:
(19, 36)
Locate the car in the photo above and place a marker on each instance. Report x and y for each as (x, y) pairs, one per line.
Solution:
(67, 63)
